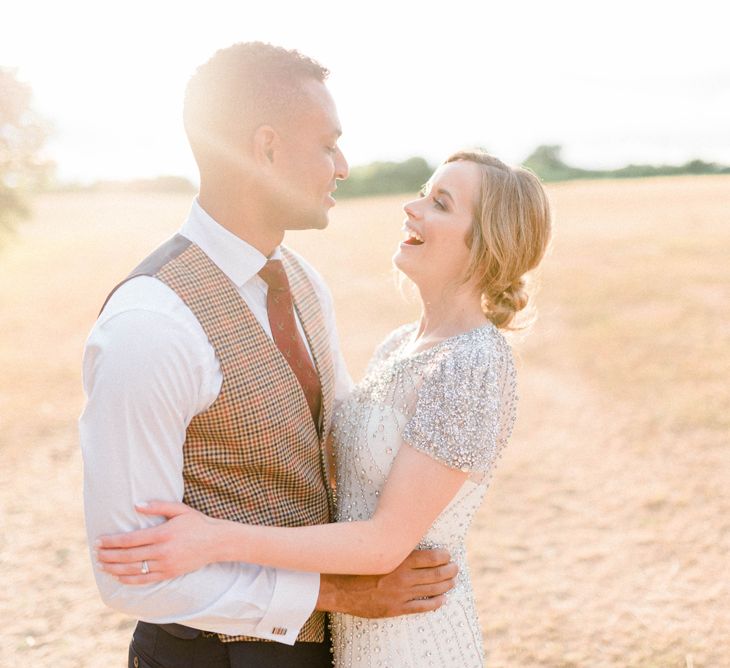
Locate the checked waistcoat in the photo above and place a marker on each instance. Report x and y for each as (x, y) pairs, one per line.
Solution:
(254, 456)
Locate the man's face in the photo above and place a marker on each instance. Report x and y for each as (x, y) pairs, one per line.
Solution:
(308, 161)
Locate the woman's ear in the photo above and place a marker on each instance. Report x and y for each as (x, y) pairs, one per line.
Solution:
(265, 144)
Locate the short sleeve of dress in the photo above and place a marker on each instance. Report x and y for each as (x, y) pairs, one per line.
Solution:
(466, 405)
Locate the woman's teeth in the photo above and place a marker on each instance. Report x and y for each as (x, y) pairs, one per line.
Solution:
(414, 239)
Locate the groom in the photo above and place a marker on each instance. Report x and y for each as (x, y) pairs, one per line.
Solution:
(211, 376)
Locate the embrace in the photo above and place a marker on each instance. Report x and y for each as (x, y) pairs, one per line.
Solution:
(246, 502)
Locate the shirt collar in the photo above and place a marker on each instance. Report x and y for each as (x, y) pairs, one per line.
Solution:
(237, 259)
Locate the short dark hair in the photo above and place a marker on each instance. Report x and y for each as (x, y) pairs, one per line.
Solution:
(241, 87)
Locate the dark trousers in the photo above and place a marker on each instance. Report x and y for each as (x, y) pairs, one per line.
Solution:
(153, 647)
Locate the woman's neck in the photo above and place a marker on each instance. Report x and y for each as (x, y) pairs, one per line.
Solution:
(446, 313)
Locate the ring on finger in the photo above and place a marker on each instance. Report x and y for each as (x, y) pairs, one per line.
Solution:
(145, 567)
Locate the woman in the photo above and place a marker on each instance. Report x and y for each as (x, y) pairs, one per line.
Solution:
(417, 439)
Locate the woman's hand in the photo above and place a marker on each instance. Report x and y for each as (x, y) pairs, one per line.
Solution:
(184, 543)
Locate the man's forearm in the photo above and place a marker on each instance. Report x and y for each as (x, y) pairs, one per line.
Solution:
(417, 585)
(332, 595)
(359, 595)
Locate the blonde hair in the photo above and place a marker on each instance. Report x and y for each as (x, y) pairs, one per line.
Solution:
(509, 235)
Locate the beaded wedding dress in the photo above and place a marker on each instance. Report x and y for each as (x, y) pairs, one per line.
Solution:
(455, 402)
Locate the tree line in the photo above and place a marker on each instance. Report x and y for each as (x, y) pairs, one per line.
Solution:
(386, 178)
(546, 161)
(24, 169)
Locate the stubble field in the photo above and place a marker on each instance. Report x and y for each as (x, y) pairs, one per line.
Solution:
(605, 537)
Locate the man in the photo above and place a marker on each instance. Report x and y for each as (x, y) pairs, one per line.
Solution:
(211, 376)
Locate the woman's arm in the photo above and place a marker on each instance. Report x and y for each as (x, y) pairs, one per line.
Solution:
(418, 488)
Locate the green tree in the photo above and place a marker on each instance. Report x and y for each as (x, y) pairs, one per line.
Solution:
(547, 162)
(22, 135)
(381, 178)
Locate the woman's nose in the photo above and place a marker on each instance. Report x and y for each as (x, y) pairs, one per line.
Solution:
(410, 209)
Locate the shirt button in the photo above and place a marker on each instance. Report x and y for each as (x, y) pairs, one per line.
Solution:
(136, 662)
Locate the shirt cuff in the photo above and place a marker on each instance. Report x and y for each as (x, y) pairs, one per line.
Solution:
(295, 596)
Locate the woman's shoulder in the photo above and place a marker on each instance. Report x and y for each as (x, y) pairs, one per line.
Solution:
(389, 345)
(395, 338)
(475, 351)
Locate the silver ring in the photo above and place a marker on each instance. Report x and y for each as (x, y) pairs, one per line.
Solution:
(145, 567)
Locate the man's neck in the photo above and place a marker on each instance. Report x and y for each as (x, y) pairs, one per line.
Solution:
(247, 222)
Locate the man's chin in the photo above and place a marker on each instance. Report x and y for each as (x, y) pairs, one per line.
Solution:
(312, 222)
(322, 223)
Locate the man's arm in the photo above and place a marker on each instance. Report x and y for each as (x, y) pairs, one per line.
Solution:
(417, 585)
(144, 381)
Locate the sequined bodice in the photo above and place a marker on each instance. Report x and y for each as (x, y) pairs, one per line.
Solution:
(455, 402)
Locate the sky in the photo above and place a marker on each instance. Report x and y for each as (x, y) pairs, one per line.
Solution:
(612, 82)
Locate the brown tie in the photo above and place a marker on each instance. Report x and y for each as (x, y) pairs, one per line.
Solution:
(286, 335)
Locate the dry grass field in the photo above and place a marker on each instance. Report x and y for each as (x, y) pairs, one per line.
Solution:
(605, 537)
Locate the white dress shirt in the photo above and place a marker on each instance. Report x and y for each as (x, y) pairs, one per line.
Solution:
(148, 369)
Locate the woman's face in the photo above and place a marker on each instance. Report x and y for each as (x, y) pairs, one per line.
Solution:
(434, 253)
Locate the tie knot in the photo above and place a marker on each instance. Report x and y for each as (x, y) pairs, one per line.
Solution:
(274, 275)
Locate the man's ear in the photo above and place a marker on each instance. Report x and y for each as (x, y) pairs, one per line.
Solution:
(265, 145)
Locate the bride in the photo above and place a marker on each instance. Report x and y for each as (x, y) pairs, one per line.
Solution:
(419, 436)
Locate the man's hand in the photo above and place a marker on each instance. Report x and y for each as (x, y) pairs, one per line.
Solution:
(417, 585)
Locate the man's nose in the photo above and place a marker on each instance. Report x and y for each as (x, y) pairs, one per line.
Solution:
(342, 169)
